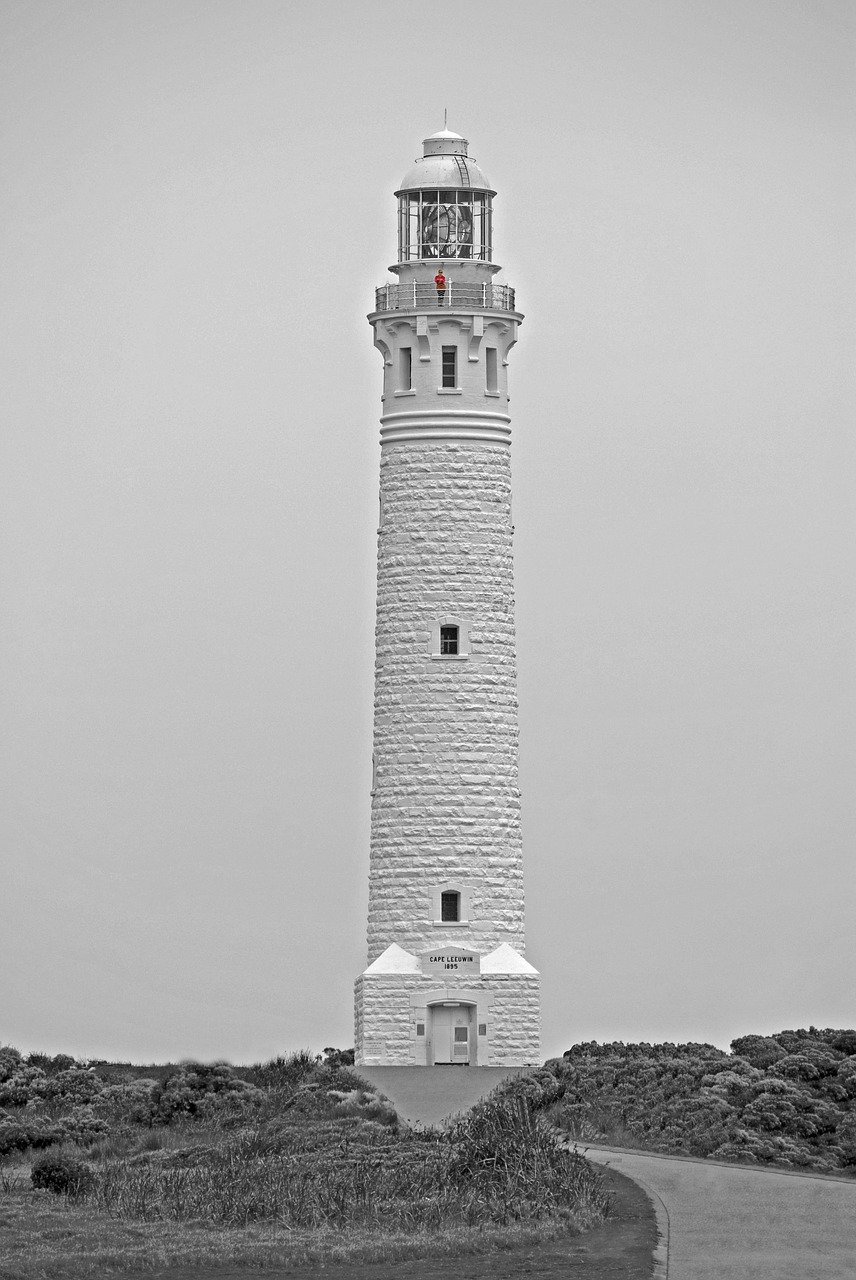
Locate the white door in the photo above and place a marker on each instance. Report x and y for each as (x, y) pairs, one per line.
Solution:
(450, 1034)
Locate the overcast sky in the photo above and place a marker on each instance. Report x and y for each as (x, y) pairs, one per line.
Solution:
(196, 206)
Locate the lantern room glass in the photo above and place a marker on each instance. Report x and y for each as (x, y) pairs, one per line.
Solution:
(445, 224)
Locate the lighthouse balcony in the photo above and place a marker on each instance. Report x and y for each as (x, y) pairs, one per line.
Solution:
(418, 296)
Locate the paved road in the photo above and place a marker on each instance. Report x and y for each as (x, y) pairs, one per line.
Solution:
(732, 1223)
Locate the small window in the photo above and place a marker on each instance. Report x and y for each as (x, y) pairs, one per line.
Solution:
(450, 906)
(482, 1028)
(420, 1028)
(449, 639)
(450, 366)
(490, 366)
(462, 1035)
(405, 368)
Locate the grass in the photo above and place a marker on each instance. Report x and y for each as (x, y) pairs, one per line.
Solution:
(310, 1169)
(492, 1169)
(46, 1237)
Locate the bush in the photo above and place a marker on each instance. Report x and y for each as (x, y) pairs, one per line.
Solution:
(22, 1084)
(51, 1064)
(62, 1173)
(809, 1064)
(202, 1089)
(338, 1057)
(72, 1084)
(363, 1105)
(284, 1072)
(17, 1133)
(786, 1099)
(10, 1062)
(844, 1042)
(14, 1136)
(760, 1051)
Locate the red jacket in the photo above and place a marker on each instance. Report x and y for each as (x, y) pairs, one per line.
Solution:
(440, 280)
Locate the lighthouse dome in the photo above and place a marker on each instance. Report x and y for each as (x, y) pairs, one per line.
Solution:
(444, 163)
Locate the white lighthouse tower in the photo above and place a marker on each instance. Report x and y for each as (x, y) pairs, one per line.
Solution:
(447, 979)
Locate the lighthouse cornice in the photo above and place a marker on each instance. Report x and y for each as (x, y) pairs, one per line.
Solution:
(428, 266)
(463, 312)
(449, 425)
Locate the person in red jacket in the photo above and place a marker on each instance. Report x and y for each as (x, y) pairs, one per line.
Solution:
(440, 282)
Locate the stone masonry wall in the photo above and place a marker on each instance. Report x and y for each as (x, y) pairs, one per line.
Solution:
(385, 1025)
(516, 1019)
(446, 803)
(387, 1009)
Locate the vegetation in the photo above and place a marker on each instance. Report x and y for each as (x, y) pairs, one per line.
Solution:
(271, 1163)
(787, 1099)
(294, 1162)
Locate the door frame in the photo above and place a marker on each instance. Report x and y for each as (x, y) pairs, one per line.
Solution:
(472, 1039)
(480, 998)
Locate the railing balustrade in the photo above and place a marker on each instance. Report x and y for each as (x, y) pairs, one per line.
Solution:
(424, 296)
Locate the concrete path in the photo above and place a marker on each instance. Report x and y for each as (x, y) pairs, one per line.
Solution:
(729, 1222)
(430, 1095)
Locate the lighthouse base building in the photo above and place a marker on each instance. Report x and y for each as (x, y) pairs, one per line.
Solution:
(480, 1011)
(447, 982)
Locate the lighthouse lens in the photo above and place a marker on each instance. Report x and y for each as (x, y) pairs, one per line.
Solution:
(447, 227)
(444, 224)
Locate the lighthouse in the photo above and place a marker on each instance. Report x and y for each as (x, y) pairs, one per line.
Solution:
(447, 981)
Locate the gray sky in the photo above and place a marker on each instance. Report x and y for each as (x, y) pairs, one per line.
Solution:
(196, 205)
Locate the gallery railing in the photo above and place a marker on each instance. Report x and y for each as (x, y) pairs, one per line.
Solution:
(419, 297)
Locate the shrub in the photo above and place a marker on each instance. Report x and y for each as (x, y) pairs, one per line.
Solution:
(22, 1084)
(363, 1105)
(338, 1057)
(284, 1072)
(808, 1064)
(51, 1064)
(799, 1109)
(10, 1062)
(82, 1125)
(844, 1042)
(62, 1173)
(760, 1051)
(125, 1105)
(14, 1136)
(72, 1084)
(17, 1133)
(201, 1089)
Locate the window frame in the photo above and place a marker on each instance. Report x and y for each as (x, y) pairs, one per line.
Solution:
(405, 369)
(450, 898)
(449, 376)
(435, 905)
(435, 649)
(450, 639)
(491, 371)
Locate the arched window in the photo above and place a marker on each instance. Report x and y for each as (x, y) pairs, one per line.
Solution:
(449, 638)
(450, 903)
